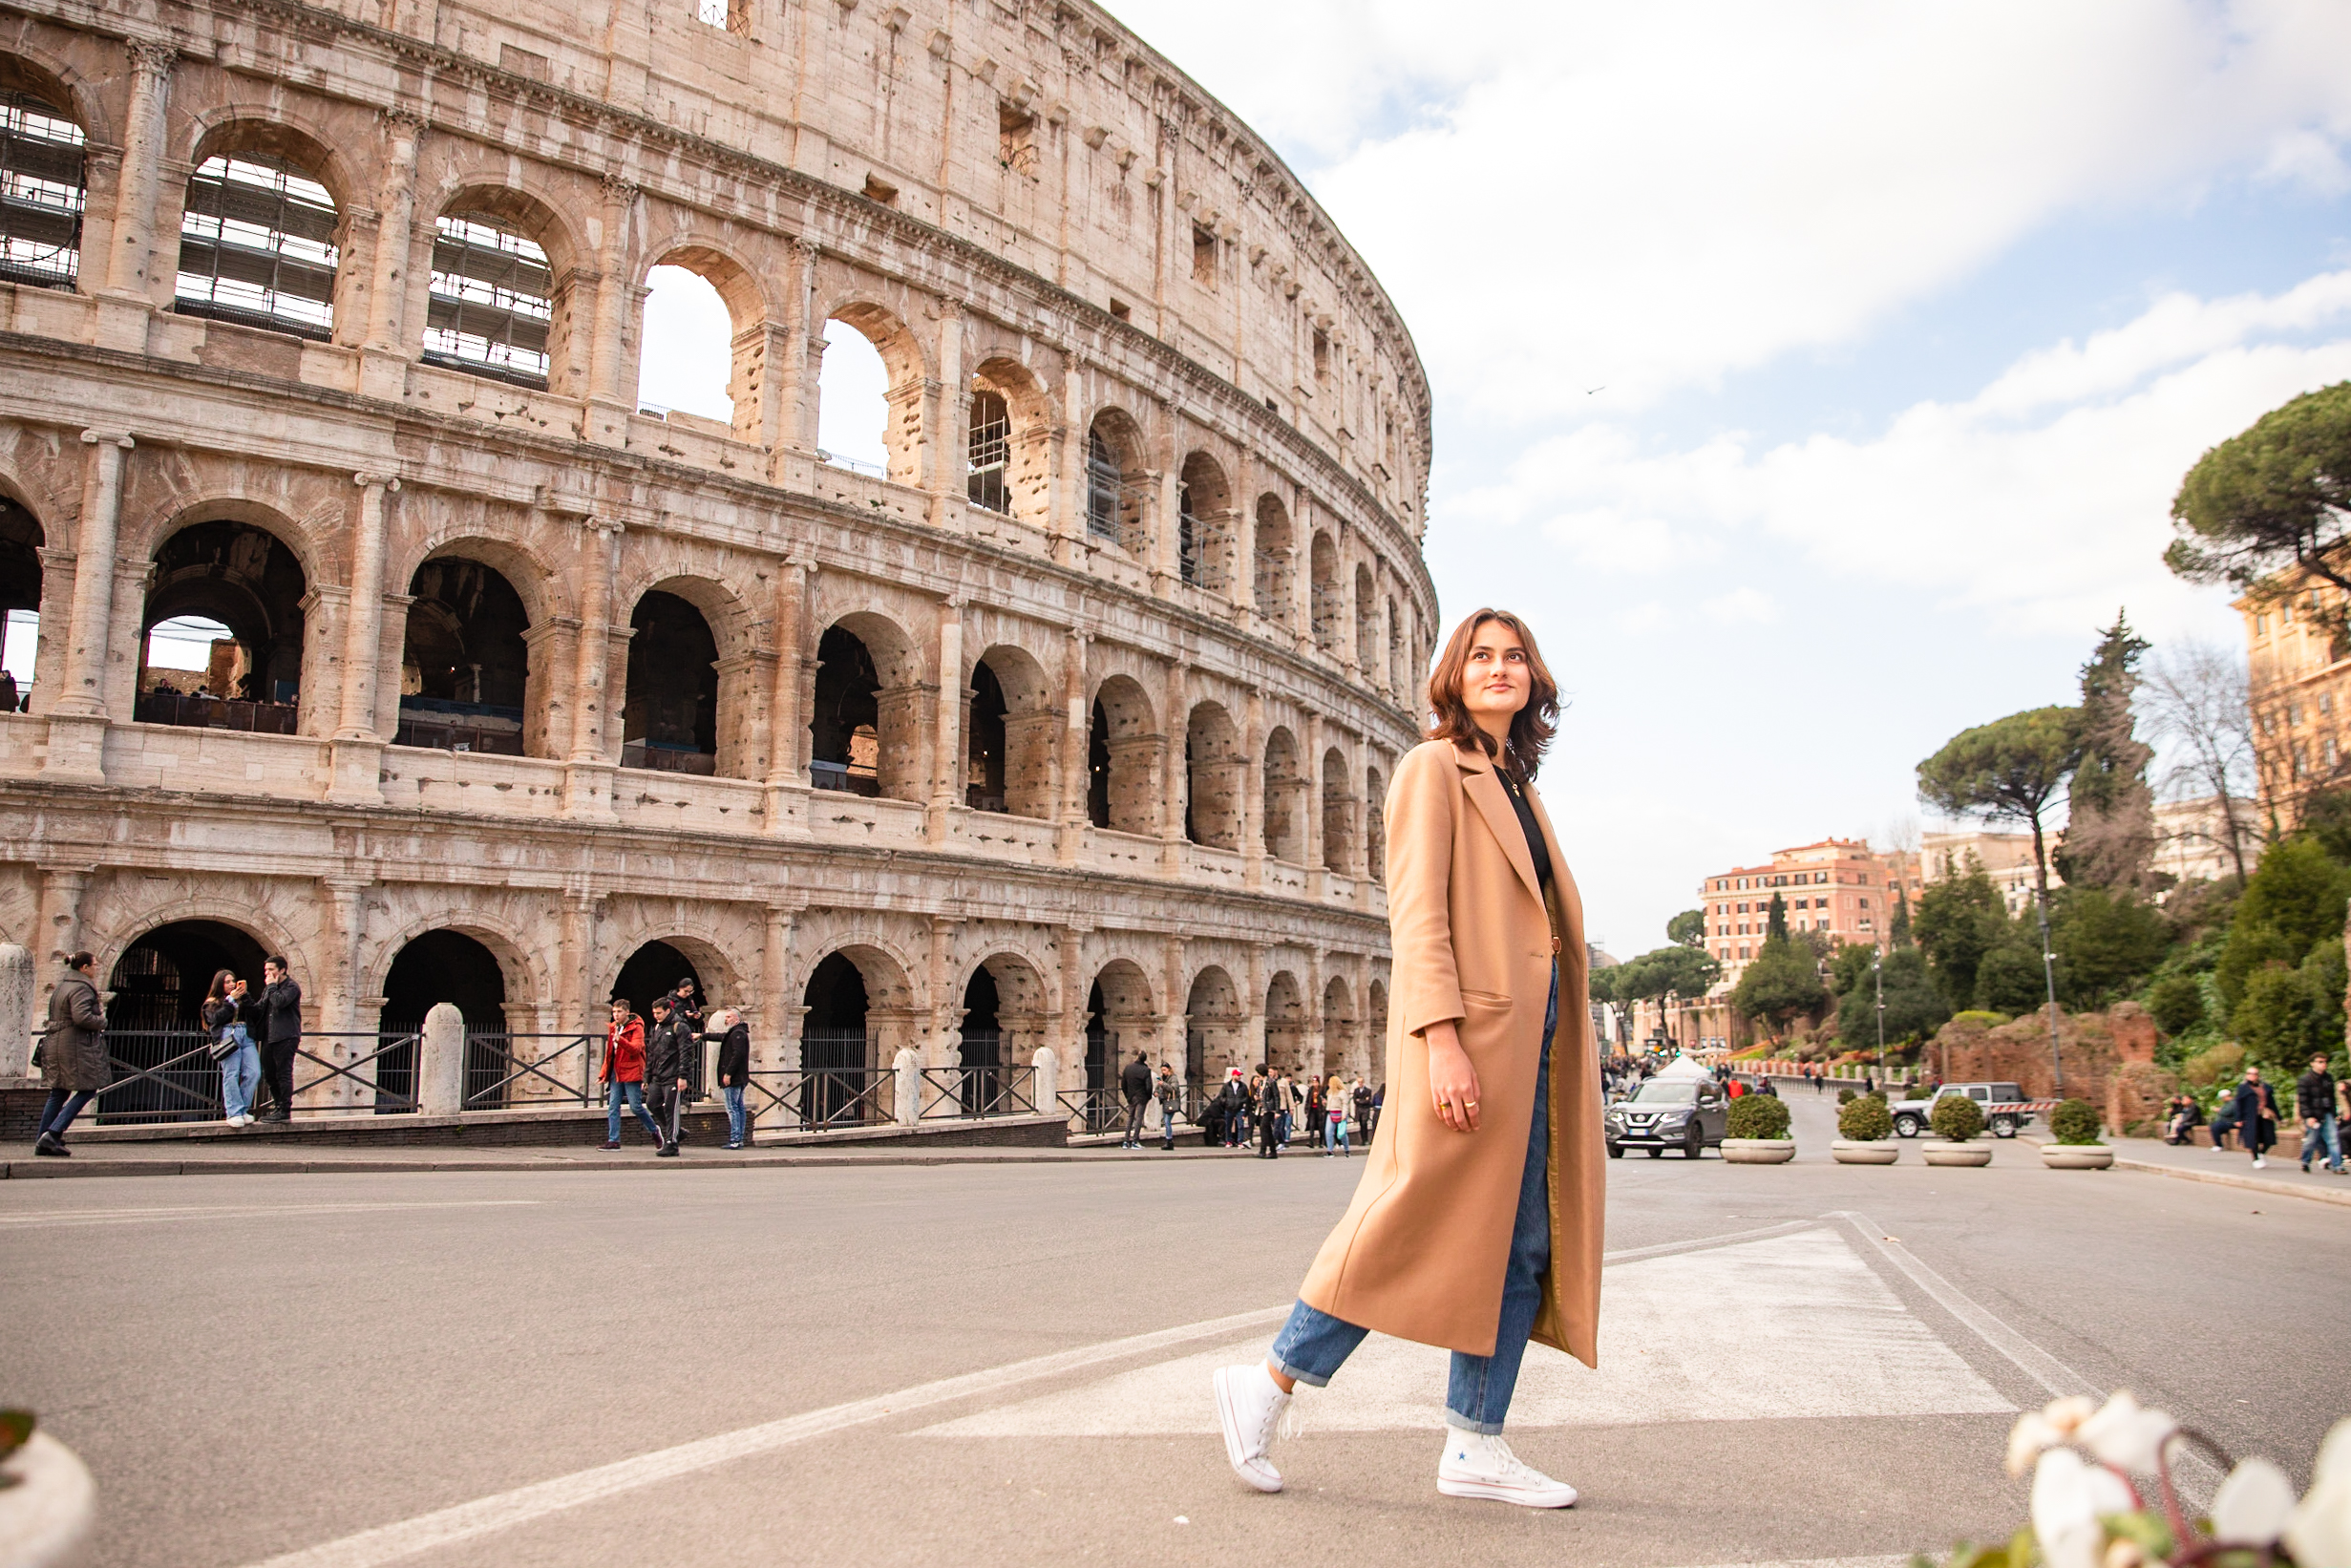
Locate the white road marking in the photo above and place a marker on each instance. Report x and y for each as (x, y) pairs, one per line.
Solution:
(390, 1542)
(1842, 1345)
(134, 1217)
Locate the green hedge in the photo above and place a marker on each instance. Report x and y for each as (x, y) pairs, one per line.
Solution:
(1865, 1120)
(1956, 1118)
(2075, 1122)
(1757, 1116)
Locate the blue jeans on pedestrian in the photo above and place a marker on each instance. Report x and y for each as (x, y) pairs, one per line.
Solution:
(1313, 1345)
(2326, 1138)
(636, 1103)
(1338, 1133)
(59, 1112)
(241, 1074)
(738, 1116)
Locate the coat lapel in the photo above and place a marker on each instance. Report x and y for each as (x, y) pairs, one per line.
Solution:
(1492, 803)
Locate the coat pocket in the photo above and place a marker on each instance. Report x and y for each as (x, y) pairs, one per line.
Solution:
(1484, 999)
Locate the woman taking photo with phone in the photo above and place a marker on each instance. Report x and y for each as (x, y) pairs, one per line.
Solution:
(1477, 1224)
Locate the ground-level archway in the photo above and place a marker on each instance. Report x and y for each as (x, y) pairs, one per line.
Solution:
(433, 967)
(155, 1030)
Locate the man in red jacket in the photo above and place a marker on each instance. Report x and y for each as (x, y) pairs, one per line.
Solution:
(624, 1071)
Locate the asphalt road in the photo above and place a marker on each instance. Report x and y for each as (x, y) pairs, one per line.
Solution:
(598, 1368)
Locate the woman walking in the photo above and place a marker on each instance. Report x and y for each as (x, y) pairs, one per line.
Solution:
(1476, 1225)
(1335, 1108)
(232, 1047)
(74, 1061)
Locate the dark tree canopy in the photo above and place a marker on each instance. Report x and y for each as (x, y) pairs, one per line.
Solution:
(2009, 770)
(1667, 972)
(2110, 838)
(2275, 496)
(1689, 927)
(1783, 983)
(1960, 918)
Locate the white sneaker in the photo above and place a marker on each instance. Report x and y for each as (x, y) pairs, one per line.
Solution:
(2259, 1164)
(1480, 1465)
(239, 1121)
(1249, 1406)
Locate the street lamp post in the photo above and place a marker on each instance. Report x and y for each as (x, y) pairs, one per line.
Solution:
(2048, 971)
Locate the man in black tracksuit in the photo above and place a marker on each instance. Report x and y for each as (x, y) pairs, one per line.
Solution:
(664, 1073)
(275, 1016)
(1135, 1083)
(1269, 1107)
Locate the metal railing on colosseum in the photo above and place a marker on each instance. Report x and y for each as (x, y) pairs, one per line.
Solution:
(823, 1100)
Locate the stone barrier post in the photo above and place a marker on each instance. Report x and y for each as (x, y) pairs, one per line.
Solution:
(909, 1084)
(440, 1063)
(1049, 1079)
(15, 1010)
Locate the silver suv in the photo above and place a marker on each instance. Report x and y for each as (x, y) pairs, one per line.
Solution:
(2003, 1106)
(1684, 1113)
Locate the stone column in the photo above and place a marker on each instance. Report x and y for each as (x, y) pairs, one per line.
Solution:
(59, 923)
(552, 653)
(1253, 793)
(946, 722)
(612, 392)
(587, 774)
(1310, 771)
(947, 433)
(78, 714)
(803, 358)
(358, 748)
(576, 964)
(384, 353)
(775, 1042)
(1252, 1045)
(1075, 780)
(1317, 1033)
(133, 277)
(786, 776)
(1067, 1029)
(340, 985)
(1177, 779)
(1174, 1002)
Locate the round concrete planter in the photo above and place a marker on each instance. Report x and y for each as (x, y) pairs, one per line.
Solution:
(1877, 1152)
(1970, 1153)
(1759, 1150)
(46, 1518)
(2077, 1157)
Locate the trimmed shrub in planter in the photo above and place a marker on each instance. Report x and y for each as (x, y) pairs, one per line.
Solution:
(1865, 1120)
(1757, 1116)
(2074, 1122)
(1956, 1118)
(1847, 1096)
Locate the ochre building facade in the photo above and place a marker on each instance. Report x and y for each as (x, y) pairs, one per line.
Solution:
(323, 323)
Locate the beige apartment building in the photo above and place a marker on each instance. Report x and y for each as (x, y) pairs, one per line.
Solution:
(2298, 677)
(2006, 858)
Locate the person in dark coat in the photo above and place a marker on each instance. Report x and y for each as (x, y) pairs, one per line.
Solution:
(664, 1073)
(1270, 1097)
(1170, 1095)
(735, 1074)
(1134, 1087)
(73, 1054)
(2256, 1114)
(275, 1018)
(2314, 1102)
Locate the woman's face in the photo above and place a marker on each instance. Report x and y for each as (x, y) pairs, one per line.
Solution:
(1496, 681)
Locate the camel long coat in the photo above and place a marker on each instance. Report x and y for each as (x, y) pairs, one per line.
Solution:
(1421, 1250)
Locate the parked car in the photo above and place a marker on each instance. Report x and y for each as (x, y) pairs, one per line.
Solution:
(2005, 1108)
(1669, 1113)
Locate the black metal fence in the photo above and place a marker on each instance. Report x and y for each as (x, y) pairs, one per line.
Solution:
(824, 1099)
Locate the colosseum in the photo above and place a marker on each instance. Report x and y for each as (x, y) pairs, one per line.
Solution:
(1065, 727)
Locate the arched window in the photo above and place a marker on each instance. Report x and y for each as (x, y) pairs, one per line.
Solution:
(1366, 624)
(853, 402)
(1271, 560)
(1115, 482)
(464, 664)
(984, 763)
(42, 190)
(221, 637)
(1338, 812)
(686, 365)
(490, 300)
(257, 245)
(669, 721)
(1205, 521)
(20, 604)
(990, 477)
(1329, 599)
(1284, 827)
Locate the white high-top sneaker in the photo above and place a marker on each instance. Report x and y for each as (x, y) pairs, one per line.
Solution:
(1480, 1465)
(1249, 1406)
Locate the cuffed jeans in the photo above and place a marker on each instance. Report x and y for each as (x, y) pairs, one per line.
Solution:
(241, 1074)
(635, 1101)
(59, 1112)
(1313, 1345)
(2325, 1137)
(738, 1116)
(1338, 1133)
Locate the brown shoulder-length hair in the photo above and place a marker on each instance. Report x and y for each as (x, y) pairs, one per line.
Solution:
(1531, 728)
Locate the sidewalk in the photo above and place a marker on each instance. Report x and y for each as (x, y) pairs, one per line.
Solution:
(2234, 1168)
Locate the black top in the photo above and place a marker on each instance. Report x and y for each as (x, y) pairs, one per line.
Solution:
(1526, 823)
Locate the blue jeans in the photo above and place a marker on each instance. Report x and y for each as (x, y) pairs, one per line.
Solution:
(738, 1116)
(1313, 1345)
(241, 1074)
(2323, 1137)
(59, 1112)
(1338, 1133)
(636, 1102)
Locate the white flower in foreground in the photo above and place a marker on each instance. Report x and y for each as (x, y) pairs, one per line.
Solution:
(2068, 1496)
(2125, 1434)
(2046, 1429)
(2253, 1505)
(2319, 1533)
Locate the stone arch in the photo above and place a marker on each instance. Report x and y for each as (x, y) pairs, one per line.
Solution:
(1285, 1022)
(691, 685)
(1272, 559)
(29, 68)
(467, 676)
(855, 1014)
(1338, 811)
(58, 118)
(1206, 525)
(521, 955)
(1002, 1025)
(1375, 825)
(1285, 783)
(1117, 487)
(154, 990)
(260, 926)
(866, 719)
(513, 318)
(1339, 1039)
(750, 380)
(1124, 754)
(22, 582)
(1008, 465)
(1119, 1020)
(1214, 768)
(1366, 623)
(263, 222)
(1214, 1027)
(1012, 735)
(1329, 596)
(238, 564)
(907, 367)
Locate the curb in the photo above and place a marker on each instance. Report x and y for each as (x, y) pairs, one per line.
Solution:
(2222, 1178)
(50, 1170)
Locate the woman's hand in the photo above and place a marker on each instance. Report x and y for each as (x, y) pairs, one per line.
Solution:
(1453, 1082)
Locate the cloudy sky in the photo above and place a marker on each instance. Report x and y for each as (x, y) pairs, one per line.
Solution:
(1904, 321)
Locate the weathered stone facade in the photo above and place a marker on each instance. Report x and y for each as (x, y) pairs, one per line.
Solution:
(1196, 587)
